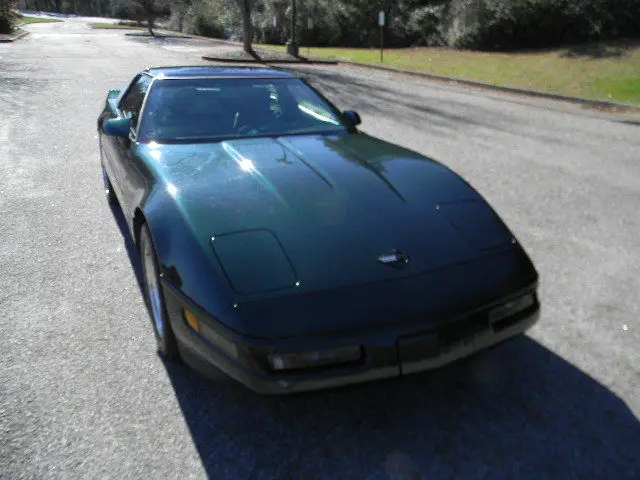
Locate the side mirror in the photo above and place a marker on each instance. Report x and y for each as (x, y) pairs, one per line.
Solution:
(352, 116)
(117, 127)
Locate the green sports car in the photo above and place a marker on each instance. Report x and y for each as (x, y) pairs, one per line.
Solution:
(286, 248)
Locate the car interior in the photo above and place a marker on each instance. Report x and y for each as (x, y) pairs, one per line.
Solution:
(192, 110)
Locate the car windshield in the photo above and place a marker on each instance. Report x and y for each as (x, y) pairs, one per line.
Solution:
(179, 110)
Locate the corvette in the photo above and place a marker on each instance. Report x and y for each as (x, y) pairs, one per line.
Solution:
(292, 251)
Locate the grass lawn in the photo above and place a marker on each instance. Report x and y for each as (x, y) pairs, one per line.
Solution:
(23, 20)
(116, 26)
(605, 71)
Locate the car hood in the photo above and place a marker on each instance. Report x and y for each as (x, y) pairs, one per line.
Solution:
(307, 213)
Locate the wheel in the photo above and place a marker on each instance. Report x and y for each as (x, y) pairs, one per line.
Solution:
(108, 188)
(167, 343)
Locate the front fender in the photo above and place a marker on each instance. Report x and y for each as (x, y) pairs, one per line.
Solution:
(186, 258)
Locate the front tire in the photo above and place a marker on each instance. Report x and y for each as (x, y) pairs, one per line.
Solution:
(165, 338)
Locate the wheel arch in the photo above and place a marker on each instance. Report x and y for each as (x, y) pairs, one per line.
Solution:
(185, 260)
(138, 220)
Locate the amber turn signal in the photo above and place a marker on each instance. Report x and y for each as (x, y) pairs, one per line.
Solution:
(191, 319)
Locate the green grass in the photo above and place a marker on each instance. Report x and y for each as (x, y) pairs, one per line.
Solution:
(116, 26)
(24, 20)
(604, 71)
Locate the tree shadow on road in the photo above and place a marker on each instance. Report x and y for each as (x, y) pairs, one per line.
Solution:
(442, 115)
(464, 115)
(515, 411)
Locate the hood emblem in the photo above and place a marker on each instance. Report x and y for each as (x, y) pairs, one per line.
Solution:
(396, 259)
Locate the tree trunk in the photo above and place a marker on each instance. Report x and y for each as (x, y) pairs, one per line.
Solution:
(247, 28)
(150, 18)
(293, 22)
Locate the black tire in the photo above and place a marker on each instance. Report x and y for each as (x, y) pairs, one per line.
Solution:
(108, 188)
(154, 298)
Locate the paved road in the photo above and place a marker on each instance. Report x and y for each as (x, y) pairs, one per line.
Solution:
(84, 395)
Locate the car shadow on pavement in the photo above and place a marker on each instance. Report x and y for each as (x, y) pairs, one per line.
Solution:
(129, 244)
(515, 411)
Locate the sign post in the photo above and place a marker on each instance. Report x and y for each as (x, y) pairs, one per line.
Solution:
(309, 27)
(381, 22)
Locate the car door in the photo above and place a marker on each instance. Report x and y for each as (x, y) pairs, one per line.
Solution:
(128, 176)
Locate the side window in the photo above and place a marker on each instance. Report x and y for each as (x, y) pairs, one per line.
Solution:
(131, 103)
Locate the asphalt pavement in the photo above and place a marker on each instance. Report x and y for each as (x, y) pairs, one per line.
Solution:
(83, 393)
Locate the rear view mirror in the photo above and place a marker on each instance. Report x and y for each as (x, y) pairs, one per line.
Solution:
(352, 116)
(117, 127)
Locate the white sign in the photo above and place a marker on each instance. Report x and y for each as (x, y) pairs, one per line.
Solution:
(381, 18)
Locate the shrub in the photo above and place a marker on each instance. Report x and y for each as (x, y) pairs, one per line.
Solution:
(208, 18)
(507, 24)
(423, 26)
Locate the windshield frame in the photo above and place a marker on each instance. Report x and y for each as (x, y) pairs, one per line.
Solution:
(141, 137)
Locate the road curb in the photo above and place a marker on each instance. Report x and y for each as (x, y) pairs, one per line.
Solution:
(159, 35)
(263, 62)
(532, 93)
(18, 36)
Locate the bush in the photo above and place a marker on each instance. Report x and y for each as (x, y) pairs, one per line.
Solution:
(129, 10)
(507, 24)
(208, 18)
(424, 26)
(475, 24)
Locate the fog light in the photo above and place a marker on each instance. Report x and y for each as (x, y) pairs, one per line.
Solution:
(319, 358)
(511, 308)
(191, 319)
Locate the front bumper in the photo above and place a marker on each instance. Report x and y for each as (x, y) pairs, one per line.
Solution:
(389, 351)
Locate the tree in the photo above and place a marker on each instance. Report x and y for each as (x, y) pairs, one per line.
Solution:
(246, 7)
(149, 8)
(6, 16)
(139, 10)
